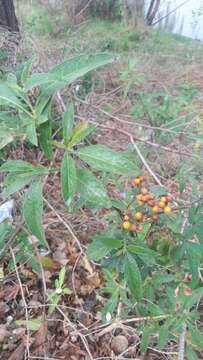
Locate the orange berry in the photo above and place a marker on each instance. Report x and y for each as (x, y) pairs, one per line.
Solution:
(167, 210)
(155, 209)
(144, 191)
(139, 197)
(142, 178)
(138, 216)
(133, 227)
(126, 217)
(151, 196)
(145, 198)
(155, 217)
(164, 199)
(126, 225)
(162, 204)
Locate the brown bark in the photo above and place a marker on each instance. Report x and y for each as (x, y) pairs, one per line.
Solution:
(8, 17)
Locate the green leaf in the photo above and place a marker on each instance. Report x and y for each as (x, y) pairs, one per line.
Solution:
(33, 210)
(67, 291)
(191, 355)
(80, 132)
(4, 231)
(67, 72)
(8, 97)
(92, 191)
(31, 133)
(62, 274)
(68, 178)
(99, 157)
(111, 305)
(42, 108)
(101, 247)
(148, 331)
(17, 166)
(32, 325)
(193, 257)
(158, 190)
(68, 120)
(27, 66)
(133, 277)
(6, 137)
(163, 336)
(22, 167)
(197, 336)
(136, 249)
(14, 183)
(45, 139)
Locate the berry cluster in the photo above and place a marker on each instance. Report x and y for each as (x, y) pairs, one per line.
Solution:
(152, 207)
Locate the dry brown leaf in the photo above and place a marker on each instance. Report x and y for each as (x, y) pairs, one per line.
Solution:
(40, 340)
(18, 354)
(94, 280)
(60, 257)
(4, 333)
(84, 262)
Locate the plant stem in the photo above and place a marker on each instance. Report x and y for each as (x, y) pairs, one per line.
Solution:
(181, 346)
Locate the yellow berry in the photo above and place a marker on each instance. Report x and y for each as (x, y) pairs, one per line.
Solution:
(126, 225)
(126, 217)
(138, 216)
(137, 181)
(155, 209)
(162, 204)
(164, 199)
(167, 210)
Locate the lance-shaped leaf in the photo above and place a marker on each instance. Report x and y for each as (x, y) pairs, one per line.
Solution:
(68, 178)
(68, 120)
(133, 277)
(67, 72)
(92, 191)
(45, 138)
(100, 157)
(33, 210)
(80, 132)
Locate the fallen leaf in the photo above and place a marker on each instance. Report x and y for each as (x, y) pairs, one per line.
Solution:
(40, 340)
(18, 354)
(48, 263)
(84, 262)
(60, 257)
(4, 333)
(32, 325)
(94, 280)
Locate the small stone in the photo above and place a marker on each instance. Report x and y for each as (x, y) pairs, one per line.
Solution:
(9, 320)
(119, 344)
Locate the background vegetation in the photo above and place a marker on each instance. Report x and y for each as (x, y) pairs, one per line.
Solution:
(101, 153)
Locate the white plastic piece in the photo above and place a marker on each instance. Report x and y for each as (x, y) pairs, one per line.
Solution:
(6, 211)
